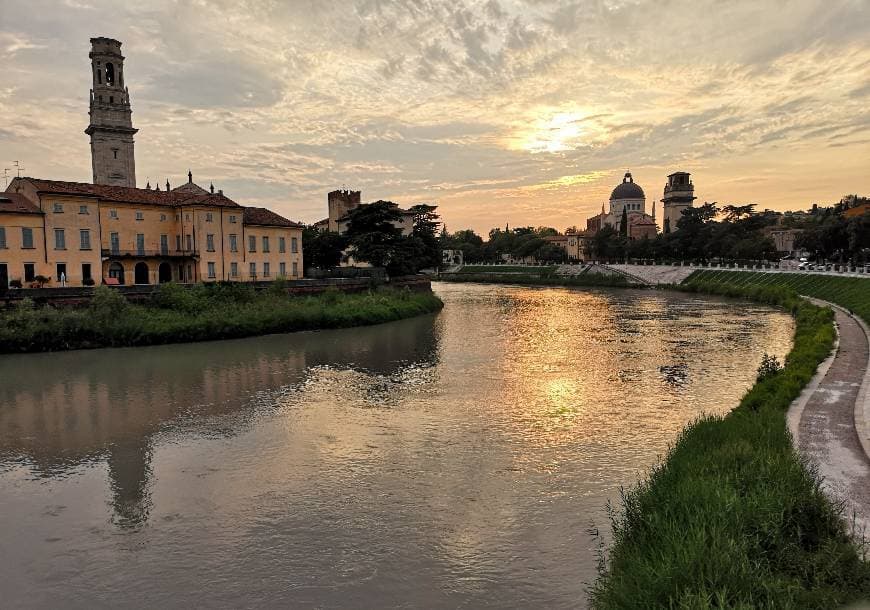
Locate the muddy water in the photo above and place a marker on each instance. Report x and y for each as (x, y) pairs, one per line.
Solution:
(463, 459)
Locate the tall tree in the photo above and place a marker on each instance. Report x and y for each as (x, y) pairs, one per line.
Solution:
(372, 232)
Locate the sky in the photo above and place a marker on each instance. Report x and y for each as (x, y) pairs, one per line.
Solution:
(525, 112)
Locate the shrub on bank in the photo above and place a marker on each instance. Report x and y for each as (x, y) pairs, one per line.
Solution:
(733, 517)
(200, 314)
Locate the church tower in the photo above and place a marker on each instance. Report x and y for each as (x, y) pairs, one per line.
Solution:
(679, 195)
(111, 127)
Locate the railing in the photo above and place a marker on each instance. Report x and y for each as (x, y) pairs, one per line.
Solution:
(142, 253)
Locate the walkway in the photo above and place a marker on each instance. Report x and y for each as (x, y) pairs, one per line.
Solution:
(828, 421)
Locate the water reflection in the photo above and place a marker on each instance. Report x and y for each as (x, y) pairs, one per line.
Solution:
(59, 411)
(452, 460)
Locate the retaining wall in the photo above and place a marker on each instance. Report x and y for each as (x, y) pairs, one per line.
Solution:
(71, 297)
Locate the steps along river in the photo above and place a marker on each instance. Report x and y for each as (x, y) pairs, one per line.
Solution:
(462, 459)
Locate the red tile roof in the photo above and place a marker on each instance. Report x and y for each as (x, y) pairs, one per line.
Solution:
(16, 203)
(124, 194)
(267, 218)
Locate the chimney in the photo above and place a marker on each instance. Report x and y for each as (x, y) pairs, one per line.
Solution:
(189, 177)
(167, 185)
(211, 188)
(221, 192)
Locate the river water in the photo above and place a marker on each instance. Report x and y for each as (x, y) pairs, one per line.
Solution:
(463, 459)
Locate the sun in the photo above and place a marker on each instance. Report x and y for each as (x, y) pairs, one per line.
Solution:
(554, 133)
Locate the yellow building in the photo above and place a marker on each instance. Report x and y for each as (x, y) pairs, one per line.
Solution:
(22, 240)
(125, 235)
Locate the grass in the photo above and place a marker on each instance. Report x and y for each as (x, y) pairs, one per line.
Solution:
(733, 517)
(203, 313)
(585, 279)
(853, 293)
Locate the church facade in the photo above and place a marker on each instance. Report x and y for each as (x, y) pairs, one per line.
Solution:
(627, 204)
(112, 232)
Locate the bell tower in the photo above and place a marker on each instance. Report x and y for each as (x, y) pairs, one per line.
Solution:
(111, 127)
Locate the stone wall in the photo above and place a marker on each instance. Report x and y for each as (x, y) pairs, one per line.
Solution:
(79, 296)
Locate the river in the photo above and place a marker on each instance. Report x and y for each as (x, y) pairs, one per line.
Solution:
(463, 459)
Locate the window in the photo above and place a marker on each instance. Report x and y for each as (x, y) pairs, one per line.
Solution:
(178, 242)
(59, 239)
(265, 244)
(209, 242)
(294, 245)
(112, 101)
(58, 208)
(282, 269)
(85, 239)
(164, 244)
(252, 243)
(140, 244)
(113, 214)
(295, 269)
(209, 217)
(83, 209)
(86, 272)
(2, 238)
(211, 273)
(163, 218)
(232, 219)
(115, 243)
(189, 241)
(253, 270)
(234, 244)
(140, 216)
(234, 269)
(282, 245)
(187, 217)
(265, 269)
(29, 272)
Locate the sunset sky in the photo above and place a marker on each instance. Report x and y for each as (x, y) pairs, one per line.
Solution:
(498, 111)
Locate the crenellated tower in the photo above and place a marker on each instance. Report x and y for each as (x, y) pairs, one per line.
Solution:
(111, 127)
(341, 202)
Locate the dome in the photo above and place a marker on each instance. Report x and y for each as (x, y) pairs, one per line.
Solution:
(627, 190)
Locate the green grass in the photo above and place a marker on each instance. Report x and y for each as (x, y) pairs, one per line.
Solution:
(585, 279)
(203, 313)
(527, 270)
(733, 517)
(853, 293)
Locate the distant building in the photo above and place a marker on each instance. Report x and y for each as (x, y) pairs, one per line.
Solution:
(341, 202)
(679, 195)
(855, 206)
(575, 245)
(627, 197)
(450, 258)
(785, 240)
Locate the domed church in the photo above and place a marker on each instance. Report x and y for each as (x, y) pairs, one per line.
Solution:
(629, 197)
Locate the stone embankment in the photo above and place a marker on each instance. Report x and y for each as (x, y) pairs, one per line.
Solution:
(829, 422)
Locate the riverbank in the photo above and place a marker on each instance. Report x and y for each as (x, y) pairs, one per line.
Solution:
(543, 279)
(202, 313)
(733, 516)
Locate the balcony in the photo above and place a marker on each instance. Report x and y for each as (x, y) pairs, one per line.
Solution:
(162, 253)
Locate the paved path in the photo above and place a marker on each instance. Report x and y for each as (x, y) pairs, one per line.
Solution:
(829, 417)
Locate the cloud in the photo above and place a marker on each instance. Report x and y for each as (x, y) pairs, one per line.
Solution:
(518, 110)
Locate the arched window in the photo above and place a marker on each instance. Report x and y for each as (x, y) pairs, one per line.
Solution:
(110, 74)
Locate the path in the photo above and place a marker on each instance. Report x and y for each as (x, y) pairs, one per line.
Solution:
(827, 421)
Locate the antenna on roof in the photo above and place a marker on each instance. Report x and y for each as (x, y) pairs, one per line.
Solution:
(18, 167)
(6, 176)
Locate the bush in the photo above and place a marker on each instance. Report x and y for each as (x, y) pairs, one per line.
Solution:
(769, 367)
(15, 284)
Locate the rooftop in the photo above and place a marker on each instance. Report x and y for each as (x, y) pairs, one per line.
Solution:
(124, 194)
(16, 203)
(267, 218)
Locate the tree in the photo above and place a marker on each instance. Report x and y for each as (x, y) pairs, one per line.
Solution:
(623, 224)
(322, 249)
(734, 213)
(372, 233)
(426, 223)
